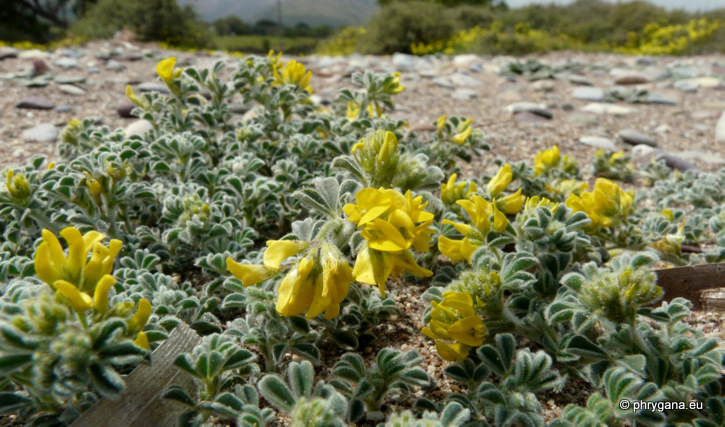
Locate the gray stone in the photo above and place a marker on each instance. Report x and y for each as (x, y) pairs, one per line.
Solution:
(662, 98)
(32, 54)
(139, 127)
(403, 62)
(646, 61)
(8, 52)
(531, 107)
(720, 129)
(686, 85)
(35, 103)
(46, 132)
(66, 62)
(476, 68)
(153, 87)
(580, 80)
(529, 117)
(71, 90)
(36, 82)
(601, 108)
(712, 158)
(543, 86)
(588, 93)
(68, 79)
(443, 82)
(93, 70)
(676, 162)
(464, 94)
(460, 79)
(567, 106)
(634, 137)
(643, 154)
(40, 66)
(64, 108)
(114, 65)
(599, 142)
(582, 119)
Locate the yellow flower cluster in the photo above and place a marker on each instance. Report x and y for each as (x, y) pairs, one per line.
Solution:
(452, 192)
(343, 43)
(657, 39)
(165, 70)
(318, 283)
(17, 185)
(293, 73)
(480, 212)
(391, 223)
(454, 326)
(606, 205)
(84, 284)
(463, 129)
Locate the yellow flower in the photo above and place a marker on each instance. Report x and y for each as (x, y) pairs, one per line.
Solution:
(142, 340)
(136, 100)
(249, 274)
(452, 192)
(441, 125)
(52, 265)
(500, 181)
(607, 205)
(139, 319)
(17, 185)
(165, 70)
(464, 131)
(297, 290)
(294, 73)
(480, 212)
(511, 204)
(394, 87)
(536, 201)
(332, 286)
(455, 326)
(279, 250)
(77, 300)
(546, 160)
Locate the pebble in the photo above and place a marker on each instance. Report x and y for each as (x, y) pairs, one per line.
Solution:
(114, 65)
(403, 62)
(93, 70)
(63, 108)
(46, 132)
(720, 128)
(35, 103)
(460, 79)
(71, 90)
(634, 137)
(703, 156)
(661, 98)
(443, 82)
(531, 107)
(125, 110)
(36, 82)
(580, 80)
(139, 127)
(7, 52)
(588, 93)
(153, 87)
(66, 62)
(69, 79)
(529, 117)
(464, 94)
(543, 86)
(601, 108)
(32, 54)
(599, 142)
(631, 79)
(40, 66)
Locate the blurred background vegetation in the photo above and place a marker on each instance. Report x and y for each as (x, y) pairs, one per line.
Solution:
(338, 27)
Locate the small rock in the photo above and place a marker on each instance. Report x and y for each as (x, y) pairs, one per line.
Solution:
(46, 132)
(35, 103)
(443, 82)
(464, 94)
(676, 162)
(686, 85)
(153, 87)
(125, 110)
(114, 65)
(588, 93)
(71, 90)
(643, 154)
(36, 82)
(712, 158)
(567, 106)
(139, 127)
(580, 80)
(403, 62)
(68, 79)
(599, 142)
(543, 86)
(640, 151)
(633, 137)
(64, 108)
(465, 60)
(528, 117)
(93, 70)
(32, 54)
(720, 129)
(707, 82)
(66, 62)
(582, 119)
(7, 52)
(40, 67)
(476, 68)
(460, 79)
(531, 107)
(601, 108)
(661, 98)
(631, 79)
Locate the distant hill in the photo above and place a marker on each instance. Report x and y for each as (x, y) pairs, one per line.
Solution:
(311, 12)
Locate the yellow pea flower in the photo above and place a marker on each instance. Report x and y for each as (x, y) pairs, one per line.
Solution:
(511, 204)
(394, 87)
(546, 160)
(77, 300)
(464, 131)
(297, 290)
(249, 274)
(142, 340)
(455, 326)
(136, 100)
(17, 185)
(607, 205)
(441, 125)
(139, 319)
(452, 192)
(165, 70)
(294, 73)
(500, 181)
(279, 250)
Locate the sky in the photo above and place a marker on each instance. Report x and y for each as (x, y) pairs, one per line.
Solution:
(690, 5)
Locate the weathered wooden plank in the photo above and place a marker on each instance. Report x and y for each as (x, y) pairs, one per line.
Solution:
(140, 404)
(689, 282)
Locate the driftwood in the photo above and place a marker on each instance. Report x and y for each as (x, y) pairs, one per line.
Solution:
(690, 282)
(141, 404)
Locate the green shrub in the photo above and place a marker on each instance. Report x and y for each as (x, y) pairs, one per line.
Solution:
(396, 27)
(151, 20)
